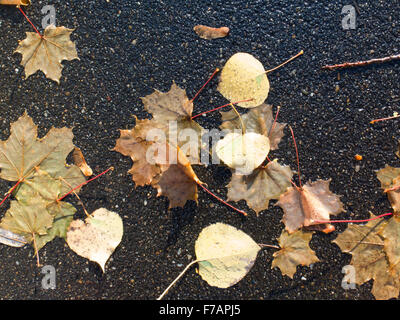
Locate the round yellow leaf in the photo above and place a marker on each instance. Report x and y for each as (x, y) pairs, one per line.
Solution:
(243, 152)
(243, 77)
(225, 254)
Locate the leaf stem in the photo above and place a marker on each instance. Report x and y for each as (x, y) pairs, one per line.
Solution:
(219, 199)
(225, 105)
(30, 22)
(297, 157)
(177, 278)
(10, 191)
(86, 182)
(268, 245)
(287, 61)
(201, 89)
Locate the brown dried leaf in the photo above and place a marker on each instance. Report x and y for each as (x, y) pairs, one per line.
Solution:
(80, 161)
(389, 177)
(294, 251)
(262, 185)
(258, 120)
(172, 110)
(313, 202)
(177, 181)
(133, 143)
(366, 246)
(209, 33)
(46, 53)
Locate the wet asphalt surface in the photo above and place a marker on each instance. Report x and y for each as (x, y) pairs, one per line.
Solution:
(128, 48)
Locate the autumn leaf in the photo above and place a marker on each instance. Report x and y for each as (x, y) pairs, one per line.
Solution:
(259, 120)
(23, 153)
(15, 2)
(209, 33)
(294, 251)
(391, 232)
(47, 52)
(177, 181)
(173, 111)
(389, 178)
(304, 206)
(243, 77)
(263, 184)
(48, 189)
(224, 254)
(80, 162)
(27, 219)
(366, 244)
(133, 143)
(97, 237)
(243, 152)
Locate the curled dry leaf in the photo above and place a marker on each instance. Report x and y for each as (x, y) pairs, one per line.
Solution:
(243, 152)
(225, 254)
(263, 184)
(303, 206)
(366, 244)
(15, 2)
(390, 232)
(389, 177)
(11, 239)
(243, 77)
(172, 111)
(209, 33)
(79, 160)
(47, 52)
(294, 251)
(97, 237)
(259, 120)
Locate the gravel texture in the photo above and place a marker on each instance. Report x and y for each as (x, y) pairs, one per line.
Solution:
(129, 48)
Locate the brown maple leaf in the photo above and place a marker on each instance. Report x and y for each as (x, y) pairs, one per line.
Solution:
(312, 202)
(133, 143)
(263, 184)
(173, 111)
(366, 244)
(295, 250)
(177, 181)
(259, 120)
(46, 53)
(158, 163)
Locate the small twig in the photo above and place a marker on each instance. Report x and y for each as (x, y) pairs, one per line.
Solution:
(361, 63)
(354, 221)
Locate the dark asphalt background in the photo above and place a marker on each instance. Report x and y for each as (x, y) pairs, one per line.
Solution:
(128, 48)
